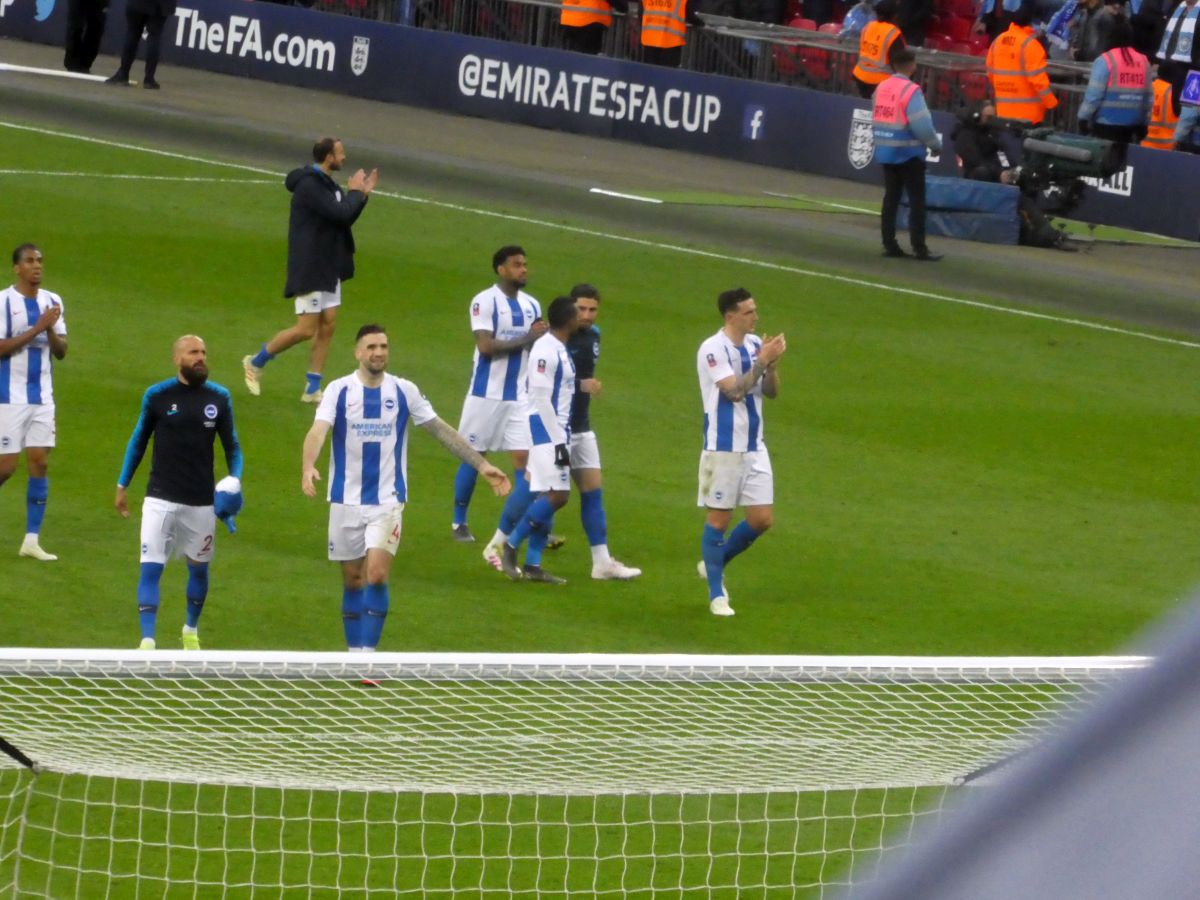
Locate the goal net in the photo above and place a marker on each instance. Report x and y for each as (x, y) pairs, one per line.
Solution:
(322, 775)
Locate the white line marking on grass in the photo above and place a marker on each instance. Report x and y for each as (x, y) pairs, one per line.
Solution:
(621, 196)
(858, 209)
(656, 245)
(124, 177)
(34, 70)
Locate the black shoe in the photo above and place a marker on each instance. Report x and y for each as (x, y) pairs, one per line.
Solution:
(923, 255)
(121, 78)
(150, 84)
(894, 252)
(508, 562)
(554, 541)
(462, 534)
(537, 573)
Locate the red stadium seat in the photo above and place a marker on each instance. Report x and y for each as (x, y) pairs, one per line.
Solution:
(794, 10)
(936, 42)
(817, 64)
(958, 29)
(959, 48)
(967, 9)
(831, 28)
(974, 86)
(803, 23)
(787, 60)
(979, 44)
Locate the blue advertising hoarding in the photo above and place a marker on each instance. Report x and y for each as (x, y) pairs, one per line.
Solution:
(773, 125)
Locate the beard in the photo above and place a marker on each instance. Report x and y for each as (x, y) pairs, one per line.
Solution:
(195, 376)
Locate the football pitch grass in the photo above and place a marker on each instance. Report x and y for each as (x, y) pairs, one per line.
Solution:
(950, 478)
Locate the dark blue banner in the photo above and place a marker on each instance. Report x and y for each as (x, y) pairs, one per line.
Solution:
(773, 125)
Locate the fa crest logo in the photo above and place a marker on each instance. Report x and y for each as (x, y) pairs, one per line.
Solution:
(596, 350)
(860, 146)
(712, 360)
(542, 366)
(474, 309)
(359, 54)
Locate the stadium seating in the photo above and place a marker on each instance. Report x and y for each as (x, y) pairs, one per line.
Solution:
(803, 24)
(979, 44)
(957, 28)
(831, 28)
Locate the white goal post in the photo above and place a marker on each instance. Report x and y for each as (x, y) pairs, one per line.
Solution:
(330, 774)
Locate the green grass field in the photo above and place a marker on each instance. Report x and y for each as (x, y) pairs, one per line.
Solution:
(950, 479)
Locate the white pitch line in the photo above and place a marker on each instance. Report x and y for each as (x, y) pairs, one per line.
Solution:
(621, 196)
(34, 70)
(125, 177)
(858, 209)
(656, 245)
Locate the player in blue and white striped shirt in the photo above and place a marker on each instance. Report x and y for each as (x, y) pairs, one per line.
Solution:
(505, 321)
(737, 372)
(368, 413)
(551, 390)
(32, 332)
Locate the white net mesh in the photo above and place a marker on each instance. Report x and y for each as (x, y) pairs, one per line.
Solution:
(271, 774)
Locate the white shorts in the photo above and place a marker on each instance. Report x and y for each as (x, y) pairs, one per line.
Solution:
(495, 424)
(729, 480)
(25, 425)
(315, 301)
(175, 530)
(353, 530)
(544, 475)
(585, 452)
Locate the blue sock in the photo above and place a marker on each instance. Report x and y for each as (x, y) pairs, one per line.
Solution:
(539, 510)
(376, 604)
(591, 513)
(739, 540)
(517, 503)
(464, 487)
(197, 592)
(712, 548)
(314, 382)
(147, 597)
(539, 534)
(262, 357)
(352, 615)
(35, 504)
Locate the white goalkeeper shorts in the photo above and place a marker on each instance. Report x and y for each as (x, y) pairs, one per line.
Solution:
(489, 424)
(729, 480)
(585, 452)
(174, 530)
(353, 530)
(544, 475)
(25, 425)
(316, 301)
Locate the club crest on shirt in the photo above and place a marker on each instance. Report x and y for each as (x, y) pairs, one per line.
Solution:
(389, 404)
(712, 360)
(542, 366)
(210, 411)
(474, 309)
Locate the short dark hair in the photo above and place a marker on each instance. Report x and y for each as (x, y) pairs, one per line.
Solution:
(729, 299)
(1121, 34)
(323, 147)
(501, 256)
(901, 56)
(369, 328)
(885, 10)
(20, 251)
(562, 312)
(1023, 15)
(584, 290)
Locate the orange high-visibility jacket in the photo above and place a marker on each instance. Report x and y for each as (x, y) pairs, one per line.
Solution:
(664, 23)
(873, 49)
(1160, 132)
(1016, 67)
(578, 13)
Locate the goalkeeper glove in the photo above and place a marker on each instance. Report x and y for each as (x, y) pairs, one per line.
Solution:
(227, 502)
(561, 456)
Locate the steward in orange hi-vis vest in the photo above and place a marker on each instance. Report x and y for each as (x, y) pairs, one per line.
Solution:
(1160, 135)
(1016, 67)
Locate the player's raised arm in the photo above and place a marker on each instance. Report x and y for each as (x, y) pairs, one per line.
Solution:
(457, 444)
(313, 442)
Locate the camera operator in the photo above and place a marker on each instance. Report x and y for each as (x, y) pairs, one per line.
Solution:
(1119, 96)
(977, 146)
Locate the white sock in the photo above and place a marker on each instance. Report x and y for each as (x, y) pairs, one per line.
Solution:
(600, 554)
(498, 538)
(187, 629)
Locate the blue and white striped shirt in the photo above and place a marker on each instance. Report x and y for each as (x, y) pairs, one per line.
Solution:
(734, 427)
(551, 387)
(506, 319)
(368, 458)
(25, 375)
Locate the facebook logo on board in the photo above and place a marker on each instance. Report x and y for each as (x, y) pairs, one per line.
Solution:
(752, 123)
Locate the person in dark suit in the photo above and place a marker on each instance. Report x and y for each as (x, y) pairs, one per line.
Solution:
(85, 28)
(150, 15)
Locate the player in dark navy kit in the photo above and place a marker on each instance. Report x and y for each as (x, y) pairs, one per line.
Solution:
(185, 415)
(584, 347)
